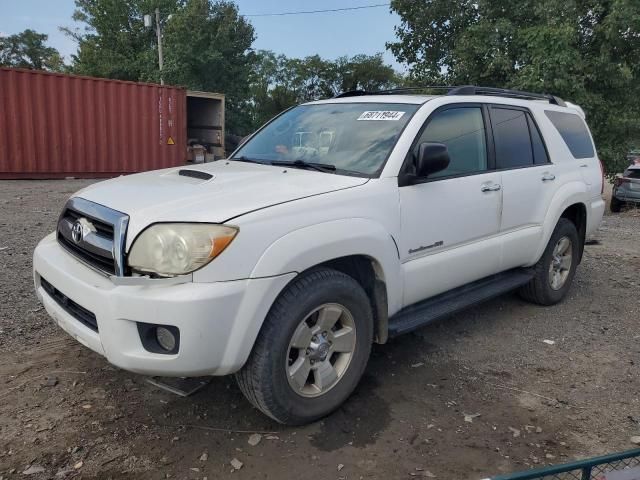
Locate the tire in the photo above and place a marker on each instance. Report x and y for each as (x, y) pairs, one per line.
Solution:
(545, 288)
(615, 205)
(267, 380)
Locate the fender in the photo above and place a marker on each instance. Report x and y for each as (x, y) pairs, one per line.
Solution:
(309, 246)
(567, 195)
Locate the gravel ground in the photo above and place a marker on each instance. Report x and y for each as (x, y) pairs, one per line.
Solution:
(65, 412)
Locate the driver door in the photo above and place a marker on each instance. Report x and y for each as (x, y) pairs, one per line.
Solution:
(450, 221)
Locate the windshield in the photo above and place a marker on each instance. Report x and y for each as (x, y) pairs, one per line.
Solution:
(353, 137)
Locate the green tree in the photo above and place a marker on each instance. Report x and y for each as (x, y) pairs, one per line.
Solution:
(28, 49)
(586, 51)
(278, 82)
(206, 47)
(272, 87)
(364, 72)
(114, 42)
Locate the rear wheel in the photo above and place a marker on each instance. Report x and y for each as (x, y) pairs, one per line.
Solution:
(312, 349)
(615, 205)
(556, 268)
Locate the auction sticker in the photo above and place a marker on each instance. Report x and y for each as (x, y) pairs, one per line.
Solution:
(381, 115)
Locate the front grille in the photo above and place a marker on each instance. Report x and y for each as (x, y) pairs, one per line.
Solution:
(99, 235)
(102, 263)
(102, 228)
(84, 316)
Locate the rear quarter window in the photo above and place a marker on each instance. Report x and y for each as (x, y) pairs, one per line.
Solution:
(574, 132)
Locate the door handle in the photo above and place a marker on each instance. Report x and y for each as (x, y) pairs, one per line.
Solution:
(494, 187)
(547, 177)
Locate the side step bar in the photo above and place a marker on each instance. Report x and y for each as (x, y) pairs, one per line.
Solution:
(445, 304)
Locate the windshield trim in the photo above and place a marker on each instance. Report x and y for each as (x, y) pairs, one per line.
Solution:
(338, 171)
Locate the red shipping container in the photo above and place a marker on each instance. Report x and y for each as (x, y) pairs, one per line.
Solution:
(55, 126)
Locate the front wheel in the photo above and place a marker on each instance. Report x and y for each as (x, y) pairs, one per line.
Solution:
(556, 268)
(312, 349)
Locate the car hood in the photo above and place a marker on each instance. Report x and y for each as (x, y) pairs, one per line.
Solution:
(235, 188)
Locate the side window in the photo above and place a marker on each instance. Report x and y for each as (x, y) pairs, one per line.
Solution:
(462, 131)
(539, 152)
(511, 137)
(574, 132)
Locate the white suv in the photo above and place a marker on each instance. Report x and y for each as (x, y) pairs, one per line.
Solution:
(339, 223)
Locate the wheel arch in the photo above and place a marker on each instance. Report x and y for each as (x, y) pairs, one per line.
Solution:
(368, 272)
(569, 202)
(577, 214)
(358, 247)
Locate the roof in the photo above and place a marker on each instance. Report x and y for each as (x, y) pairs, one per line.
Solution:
(421, 99)
(410, 99)
(413, 95)
(417, 99)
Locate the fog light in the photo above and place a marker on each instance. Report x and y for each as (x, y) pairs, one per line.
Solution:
(163, 339)
(166, 339)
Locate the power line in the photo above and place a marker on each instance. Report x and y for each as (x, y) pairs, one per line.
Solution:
(281, 14)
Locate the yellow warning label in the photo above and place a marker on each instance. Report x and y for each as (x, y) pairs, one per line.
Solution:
(170, 141)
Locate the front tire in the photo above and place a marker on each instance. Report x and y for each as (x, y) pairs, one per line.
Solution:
(556, 268)
(312, 349)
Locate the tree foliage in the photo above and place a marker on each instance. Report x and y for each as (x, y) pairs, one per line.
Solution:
(206, 46)
(278, 82)
(586, 51)
(114, 42)
(28, 49)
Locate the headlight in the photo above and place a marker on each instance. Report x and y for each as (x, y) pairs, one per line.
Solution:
(169, 249)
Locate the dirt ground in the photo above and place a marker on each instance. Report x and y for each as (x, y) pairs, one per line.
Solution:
(65, 412)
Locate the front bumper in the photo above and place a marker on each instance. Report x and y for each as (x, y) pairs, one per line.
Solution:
(218, 322)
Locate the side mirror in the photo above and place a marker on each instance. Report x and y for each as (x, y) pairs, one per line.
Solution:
(431, 158)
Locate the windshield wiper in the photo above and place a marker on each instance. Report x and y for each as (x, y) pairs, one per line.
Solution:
(246, 159)
(320, 167)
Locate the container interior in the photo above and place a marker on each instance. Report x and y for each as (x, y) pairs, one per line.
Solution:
(205, 128)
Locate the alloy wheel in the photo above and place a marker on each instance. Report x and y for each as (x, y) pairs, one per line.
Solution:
(321, 350)
(560, 266)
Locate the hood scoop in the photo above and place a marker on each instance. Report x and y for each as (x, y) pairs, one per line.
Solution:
(200, 175)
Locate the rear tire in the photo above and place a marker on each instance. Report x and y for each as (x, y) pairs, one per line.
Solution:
(615, 205)
(312, 349)
(556, 268)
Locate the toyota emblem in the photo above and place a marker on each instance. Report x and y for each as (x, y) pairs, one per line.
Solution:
(76, 232)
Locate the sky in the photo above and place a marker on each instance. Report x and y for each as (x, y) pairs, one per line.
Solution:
(330, 34)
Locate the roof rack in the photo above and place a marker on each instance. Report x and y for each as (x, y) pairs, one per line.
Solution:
(505, 92)
(391, 91)
(462, 90)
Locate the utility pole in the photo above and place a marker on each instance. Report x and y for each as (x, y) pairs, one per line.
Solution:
(159, 33)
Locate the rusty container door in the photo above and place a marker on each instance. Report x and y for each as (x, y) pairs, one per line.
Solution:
(55, 126)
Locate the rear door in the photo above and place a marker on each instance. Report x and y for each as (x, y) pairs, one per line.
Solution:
(528, 179)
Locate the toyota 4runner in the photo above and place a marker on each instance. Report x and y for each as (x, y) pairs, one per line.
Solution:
(339, 223)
